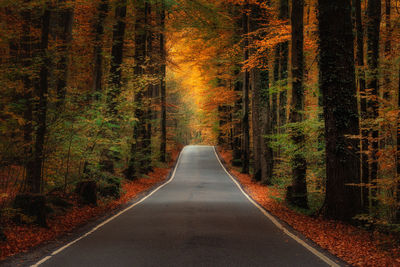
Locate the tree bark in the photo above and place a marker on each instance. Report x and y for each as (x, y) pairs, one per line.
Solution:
(65, 23)
(363, 102)
(98, 26)
(149, 94)
(283, 75)
(337, 83)
(373, 29)
(256, 124)
(116, 56)
(267, 155)
(40, 84)
(398, 152)
(137, 160)
(163, 144)
(26, 58)
(299, 165)
(387, 49)
(245, 96)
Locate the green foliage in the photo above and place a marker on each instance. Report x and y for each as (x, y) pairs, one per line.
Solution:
(312, 151)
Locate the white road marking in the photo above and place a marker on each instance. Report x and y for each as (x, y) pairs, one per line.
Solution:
(278, 224)
(113, 217)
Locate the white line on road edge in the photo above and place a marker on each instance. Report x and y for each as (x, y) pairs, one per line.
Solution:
(113, 217)
(278, 224)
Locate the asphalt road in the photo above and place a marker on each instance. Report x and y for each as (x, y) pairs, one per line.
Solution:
(200, 218)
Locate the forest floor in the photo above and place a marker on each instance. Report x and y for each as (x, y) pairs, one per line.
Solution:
(21, 238)
(354, 245)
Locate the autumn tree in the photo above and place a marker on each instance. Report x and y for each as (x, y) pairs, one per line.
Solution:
(297, 193)
(337, 83)
(373, 30)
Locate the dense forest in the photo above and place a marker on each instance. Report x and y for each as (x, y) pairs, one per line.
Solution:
(304, 93)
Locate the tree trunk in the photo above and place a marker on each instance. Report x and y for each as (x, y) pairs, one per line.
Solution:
(236, 123)
(283, 63)
(387, 49)
(274, 96)
(149, 94)
(337, 82)
(255, 84)
(26, 58)
(267, 155)
(34, 174)
(245, 96)
(299, 165)
(163, 144)
(102, 10)
(65, 23)
(137, 160)
(256, 125)
(373, 29)
(116, 57)
(363, 102)
(398, 153)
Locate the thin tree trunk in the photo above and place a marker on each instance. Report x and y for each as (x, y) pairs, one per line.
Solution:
(163, 144)
(116, 56)
(26, 58)
(255, 83)
(267, 155)
(65, 23)
(363, 103)
(137, 159)
(149, 94)
(387, 49)
(256, 124)
(283, 75)
(298, 192)
(373, 29)
(40, 107)
(398, 153)
(337, 82)
(102, 10)
(236, 124)
(245, 96)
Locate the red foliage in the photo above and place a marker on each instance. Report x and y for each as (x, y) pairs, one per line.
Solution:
(22, 238)
(356, 246)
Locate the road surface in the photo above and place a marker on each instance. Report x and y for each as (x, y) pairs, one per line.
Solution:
(200, 218)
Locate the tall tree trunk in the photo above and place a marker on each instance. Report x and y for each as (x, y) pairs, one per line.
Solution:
(386, 128)
(387, 49)
(98, 26)
(34, 175)
(137, 159)
(363, 102)
(65, 23)
(398, 153)
(267, 155)
(283, 75)
(373, 29)
(245, 96)
(298, 191)
(256, 124)
(255, 84)
(163, 144)
(116, 56)
(149, 94)
(236, 123)
(26, 58)
(337, 82)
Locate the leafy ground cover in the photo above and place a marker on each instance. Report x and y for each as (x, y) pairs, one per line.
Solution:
(21, 238)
